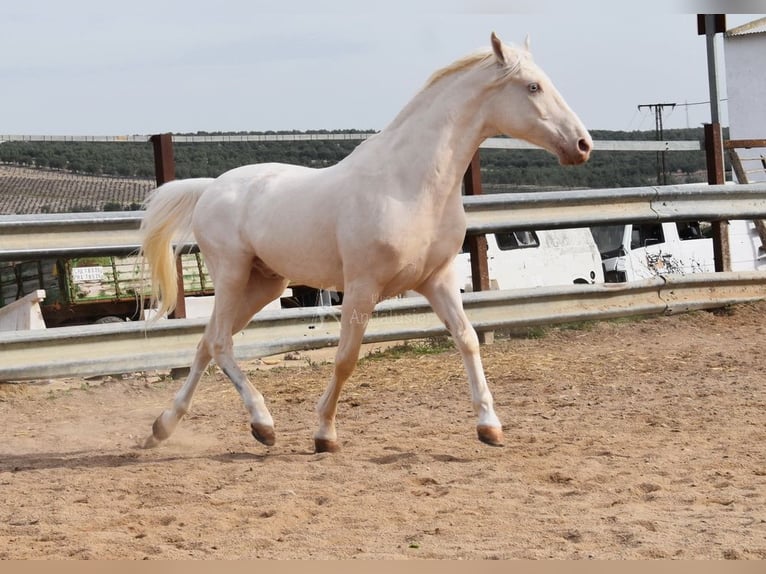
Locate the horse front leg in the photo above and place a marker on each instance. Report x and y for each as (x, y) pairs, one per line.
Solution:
(166, 423)
(355, 314)
(444, 297)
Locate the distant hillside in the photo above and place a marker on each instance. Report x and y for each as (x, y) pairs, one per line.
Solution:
(35, 190)
(64, 176)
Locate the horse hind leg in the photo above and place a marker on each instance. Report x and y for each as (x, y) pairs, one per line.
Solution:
(234, 310)
(220, 347)
(257, 295)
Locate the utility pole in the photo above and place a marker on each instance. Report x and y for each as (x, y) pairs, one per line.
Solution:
(657, 108)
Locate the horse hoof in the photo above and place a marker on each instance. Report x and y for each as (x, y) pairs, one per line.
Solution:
(326, 445)
(264, 434)
(493, 436)
(150, 442)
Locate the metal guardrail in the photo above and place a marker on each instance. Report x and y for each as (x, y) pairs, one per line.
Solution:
(53, 235)
(130, 347)
(584, 208)
(127, 347)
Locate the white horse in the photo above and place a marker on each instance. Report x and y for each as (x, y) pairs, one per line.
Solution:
(386, 219)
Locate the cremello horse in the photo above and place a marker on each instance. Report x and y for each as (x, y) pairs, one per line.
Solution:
(386, 219)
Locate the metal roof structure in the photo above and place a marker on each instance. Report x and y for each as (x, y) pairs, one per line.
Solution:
(754, 27)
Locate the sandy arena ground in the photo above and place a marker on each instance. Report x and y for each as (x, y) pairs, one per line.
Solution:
(628, 439)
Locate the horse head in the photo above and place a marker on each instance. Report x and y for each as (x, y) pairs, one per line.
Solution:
(527, 105)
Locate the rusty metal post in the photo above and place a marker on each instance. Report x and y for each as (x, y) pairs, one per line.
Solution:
(164, 161)
(715, 176)
(714, 154)
(165, 171)
(477, 244)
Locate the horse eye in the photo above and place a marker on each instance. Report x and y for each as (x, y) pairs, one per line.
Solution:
(534, 87)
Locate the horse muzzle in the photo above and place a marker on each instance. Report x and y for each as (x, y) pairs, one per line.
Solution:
(577, 153)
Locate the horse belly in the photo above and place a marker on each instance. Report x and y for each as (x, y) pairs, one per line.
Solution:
(290, 228)
(300, 255)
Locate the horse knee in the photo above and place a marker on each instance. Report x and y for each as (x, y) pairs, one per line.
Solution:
(466, 339)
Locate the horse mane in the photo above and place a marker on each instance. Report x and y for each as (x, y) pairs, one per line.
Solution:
(484, 58)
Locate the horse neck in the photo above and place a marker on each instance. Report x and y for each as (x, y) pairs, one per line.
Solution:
(437, 133)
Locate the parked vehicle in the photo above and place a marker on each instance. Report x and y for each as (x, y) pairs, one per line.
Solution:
(86, 290)
(536, 258)
(102, 289)
(639, 251)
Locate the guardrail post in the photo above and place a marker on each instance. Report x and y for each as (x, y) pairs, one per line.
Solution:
(165, 171)
(477, 244)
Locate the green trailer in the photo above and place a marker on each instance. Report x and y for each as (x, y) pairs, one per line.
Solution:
(85, 290)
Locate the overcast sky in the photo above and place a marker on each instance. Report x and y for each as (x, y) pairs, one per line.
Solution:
(94, 67)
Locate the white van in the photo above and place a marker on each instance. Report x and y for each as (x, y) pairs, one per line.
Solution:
(639, 251)
(518, 259)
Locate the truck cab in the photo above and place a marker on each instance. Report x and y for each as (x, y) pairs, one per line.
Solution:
(536, 258)
(635, 251)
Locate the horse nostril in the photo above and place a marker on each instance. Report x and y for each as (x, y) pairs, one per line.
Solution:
(583, 145)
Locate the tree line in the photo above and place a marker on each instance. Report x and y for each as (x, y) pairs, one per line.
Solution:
(502, 169)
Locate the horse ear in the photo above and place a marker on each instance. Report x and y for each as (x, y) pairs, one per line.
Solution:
(497, 48)
(527, 43)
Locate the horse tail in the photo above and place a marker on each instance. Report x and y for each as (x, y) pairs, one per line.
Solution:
(168, 216)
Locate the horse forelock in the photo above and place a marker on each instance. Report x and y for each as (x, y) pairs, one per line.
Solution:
(518, 59)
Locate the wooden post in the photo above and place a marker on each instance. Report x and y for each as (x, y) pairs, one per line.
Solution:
(715, 176)
(477, 244)
(165, 171)
(741, 173)
(736, 166)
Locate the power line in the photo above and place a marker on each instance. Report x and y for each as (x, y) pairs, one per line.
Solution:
(661, 175)
(687, 104)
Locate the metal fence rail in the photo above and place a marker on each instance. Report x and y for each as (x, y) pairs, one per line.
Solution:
(130, 347)
(490, 143)
(55, 235)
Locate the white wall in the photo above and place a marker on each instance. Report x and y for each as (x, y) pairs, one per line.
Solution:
(746, 90)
